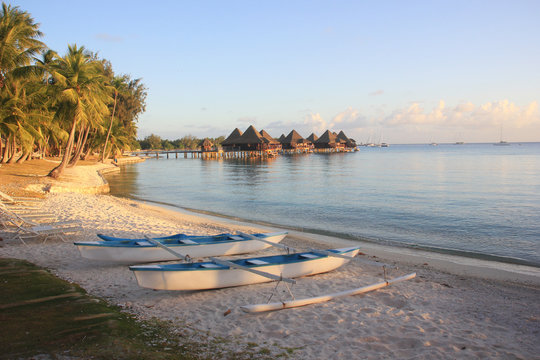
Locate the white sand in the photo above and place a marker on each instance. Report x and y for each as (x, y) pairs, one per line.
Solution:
(455, 308)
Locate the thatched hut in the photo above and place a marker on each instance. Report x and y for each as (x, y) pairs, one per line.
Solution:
(329, 140)
(228, 143)
(250, 140)
(206, 145)
(312, 138)
(273, 144)
(295, 141)
(350, 143)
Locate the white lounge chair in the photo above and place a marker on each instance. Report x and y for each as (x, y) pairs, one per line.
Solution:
(25, 228)
(7, 199)
(46, 231)
(9, 216)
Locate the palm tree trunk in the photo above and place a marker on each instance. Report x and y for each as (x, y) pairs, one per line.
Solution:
(110, 128)
(13, 156)
(78, 144)
(80, 148)
(57, 171)
(24, 157)
(6, 151)
(2, 149)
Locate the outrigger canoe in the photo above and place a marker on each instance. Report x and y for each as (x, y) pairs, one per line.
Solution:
(135, 251)
(170, 237)
(216, 274)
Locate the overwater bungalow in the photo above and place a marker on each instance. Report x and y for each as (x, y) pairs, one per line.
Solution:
(228, 143)
(350, 143)
(206, 145)
(330, 141)
(273, 144)
(294, 141)
(312, 138)
(252, 141)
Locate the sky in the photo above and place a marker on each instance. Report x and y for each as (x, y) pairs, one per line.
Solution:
(391, 71)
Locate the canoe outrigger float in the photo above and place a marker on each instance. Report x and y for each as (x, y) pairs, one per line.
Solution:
(134, 251)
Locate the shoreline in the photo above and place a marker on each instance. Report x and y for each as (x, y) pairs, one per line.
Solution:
(456, 264)
(385, 243)
(453, 264)
(453, 309)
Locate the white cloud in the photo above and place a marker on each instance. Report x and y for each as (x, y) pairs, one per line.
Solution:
(420, 123)
(109, 38)
(376, 93)
(315, 123)
(467, 115)
(250, 120)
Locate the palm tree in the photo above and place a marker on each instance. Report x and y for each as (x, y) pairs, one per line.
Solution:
(81, 95)
(120, 86)
(18, 33)
(18, 44)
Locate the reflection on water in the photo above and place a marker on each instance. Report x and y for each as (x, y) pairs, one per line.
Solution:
(476, 198)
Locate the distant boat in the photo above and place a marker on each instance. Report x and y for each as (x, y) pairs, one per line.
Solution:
(459, 143)
(502, 142)
(433, 144)
(384, 145)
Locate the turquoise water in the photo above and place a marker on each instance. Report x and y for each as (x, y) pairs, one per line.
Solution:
(474, 199)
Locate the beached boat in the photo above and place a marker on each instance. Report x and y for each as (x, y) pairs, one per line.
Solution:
(135, 251)
(219, 274)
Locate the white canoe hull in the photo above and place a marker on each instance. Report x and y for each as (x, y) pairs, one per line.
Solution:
(152, 253)
(203, 279)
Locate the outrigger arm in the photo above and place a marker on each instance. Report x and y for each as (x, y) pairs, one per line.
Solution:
(322, 252)
(222, 262)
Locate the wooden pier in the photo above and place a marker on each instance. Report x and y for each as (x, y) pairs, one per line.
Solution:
(231, 154)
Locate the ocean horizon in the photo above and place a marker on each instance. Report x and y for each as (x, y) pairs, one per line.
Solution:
(475, 200)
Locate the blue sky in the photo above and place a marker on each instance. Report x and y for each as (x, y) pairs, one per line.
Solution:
(403, 71)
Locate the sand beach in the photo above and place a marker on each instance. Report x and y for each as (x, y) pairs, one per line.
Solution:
(456, 308)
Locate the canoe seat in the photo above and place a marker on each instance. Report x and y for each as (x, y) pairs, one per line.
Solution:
(257, 262)
(308, 256)
(236, 237)
(186, 241)
(143, 243)
(210, 266)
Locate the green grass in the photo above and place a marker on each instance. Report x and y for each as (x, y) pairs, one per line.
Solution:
(41, 314)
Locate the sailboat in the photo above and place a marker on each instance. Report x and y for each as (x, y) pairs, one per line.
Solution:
(502, 142)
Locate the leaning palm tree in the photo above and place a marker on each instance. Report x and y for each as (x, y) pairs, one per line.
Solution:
(81, 95)
(18, 44)
(119, 84)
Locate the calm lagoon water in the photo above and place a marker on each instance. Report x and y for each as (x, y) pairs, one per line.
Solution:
(474, 199)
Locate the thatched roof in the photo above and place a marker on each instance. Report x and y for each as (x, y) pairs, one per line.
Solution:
(206, 142)
(281, 138)
(232, 137)
(312, 137)
(350, 142)
(293, 137)
(328, 138)
(251, 136)
(268, 137)
(342, 136)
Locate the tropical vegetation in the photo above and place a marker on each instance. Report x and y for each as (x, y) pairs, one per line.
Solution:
(188, 142)
(71, 106)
